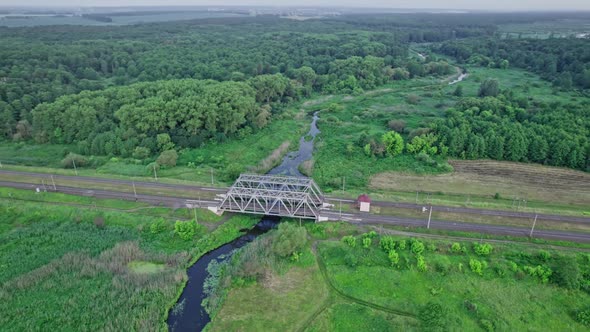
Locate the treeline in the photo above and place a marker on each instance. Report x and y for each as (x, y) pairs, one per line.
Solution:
(147, 118)
(40, 64)
(117, 120)
(506, 128)
(565, 62)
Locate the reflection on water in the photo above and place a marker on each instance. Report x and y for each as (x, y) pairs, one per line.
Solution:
(293, 159)
(191, 315)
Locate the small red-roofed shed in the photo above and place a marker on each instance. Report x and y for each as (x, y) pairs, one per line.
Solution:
(364, 203)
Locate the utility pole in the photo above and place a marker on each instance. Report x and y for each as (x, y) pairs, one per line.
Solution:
(195, 211)
(155, 173)
(533, 228)
(43, 183)
(134, 191)
(416, 196)
(75, 169)
(211, 175)
(429, 216)
(343, 179)
(53, 181)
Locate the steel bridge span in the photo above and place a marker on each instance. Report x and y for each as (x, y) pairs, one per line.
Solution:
(285, 196)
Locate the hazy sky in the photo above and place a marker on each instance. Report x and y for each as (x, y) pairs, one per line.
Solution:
(532, 5)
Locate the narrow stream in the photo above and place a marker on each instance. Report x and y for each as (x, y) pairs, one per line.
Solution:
(192, 315)
(460, 78)
(188, 314)
(293, 159)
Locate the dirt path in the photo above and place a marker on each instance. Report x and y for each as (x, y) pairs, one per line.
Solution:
(347, 297)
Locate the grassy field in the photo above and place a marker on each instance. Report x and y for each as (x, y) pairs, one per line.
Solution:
(342, 316)
(64, 267)
(117, 19)
(470, 301)
(486, 178)
(213, 160)
(542, 30)
(339, 159)
(280, 303)
(461, 286)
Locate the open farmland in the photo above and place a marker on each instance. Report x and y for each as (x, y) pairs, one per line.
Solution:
(486, 178)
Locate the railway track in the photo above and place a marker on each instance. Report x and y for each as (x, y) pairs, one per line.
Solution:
(360, 218)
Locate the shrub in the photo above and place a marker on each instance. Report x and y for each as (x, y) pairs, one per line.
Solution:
(296, 256)
(544, 255)
(186, 230)
(487, 325)
(158, 226)
(167, 158)
(567, 273)
(583, 316)
(393, 257)
(417, 247)
(432, 316)
(476, 266)
(402, 244)
(232, 172)
(489, 88)
(482, 249)
(349, 240)
(513, 266)
(470, 305)
(387, 243)
(73, 158)
(367, 242)
(456, 247)
(431, 247)
(540, 272)
(99, 222)
(149, 169)
(289, 238)
(412, 99)
(397, 125)
(421, 264)
(141, 152)
(351, 260)
(393, 142)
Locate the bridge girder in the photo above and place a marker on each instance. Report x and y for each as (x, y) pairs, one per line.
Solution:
(287, 196)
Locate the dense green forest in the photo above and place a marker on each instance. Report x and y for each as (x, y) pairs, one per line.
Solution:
(565, 62)
(40, 64)
(148, 88)
(507, 128)
(45, 63)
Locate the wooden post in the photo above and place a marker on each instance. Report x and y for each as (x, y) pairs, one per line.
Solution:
(75, 169)
(53, 181)
(134, 191)
(429, 216)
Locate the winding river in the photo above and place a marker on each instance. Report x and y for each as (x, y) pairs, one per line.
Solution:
(188, 313)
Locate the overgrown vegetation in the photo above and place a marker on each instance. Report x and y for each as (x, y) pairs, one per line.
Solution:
(54, 256)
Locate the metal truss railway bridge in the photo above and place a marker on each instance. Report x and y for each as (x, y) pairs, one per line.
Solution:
(285, 196)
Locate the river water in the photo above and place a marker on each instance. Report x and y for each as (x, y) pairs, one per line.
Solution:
(189, 314)
(459, 79)
(192, 316)
(291, 162)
